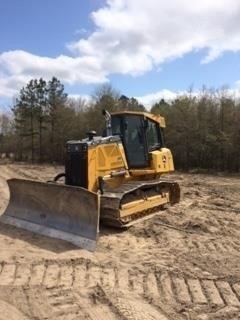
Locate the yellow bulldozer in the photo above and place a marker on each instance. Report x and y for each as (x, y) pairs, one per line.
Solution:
(115, 179)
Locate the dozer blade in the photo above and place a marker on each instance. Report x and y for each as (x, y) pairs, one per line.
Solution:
(58, 211)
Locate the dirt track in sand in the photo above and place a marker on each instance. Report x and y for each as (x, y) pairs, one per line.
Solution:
(182, 264)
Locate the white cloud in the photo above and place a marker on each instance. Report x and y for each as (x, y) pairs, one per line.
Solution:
(237, 84)
(149, 99)
(82, 97)
(132, 37)
(80, 69)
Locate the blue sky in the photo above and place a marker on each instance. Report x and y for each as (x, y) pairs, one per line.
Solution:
(145, 49)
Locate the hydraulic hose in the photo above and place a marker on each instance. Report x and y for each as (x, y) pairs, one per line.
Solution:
(59, 176)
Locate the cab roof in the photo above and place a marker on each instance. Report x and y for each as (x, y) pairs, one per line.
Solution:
(155, 117)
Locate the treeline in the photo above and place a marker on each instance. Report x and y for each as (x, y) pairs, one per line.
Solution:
(43, 118)
(202, 130)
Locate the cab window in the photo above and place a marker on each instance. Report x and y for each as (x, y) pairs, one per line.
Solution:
(153, 135)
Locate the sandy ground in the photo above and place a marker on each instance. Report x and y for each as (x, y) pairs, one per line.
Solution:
(182, 264)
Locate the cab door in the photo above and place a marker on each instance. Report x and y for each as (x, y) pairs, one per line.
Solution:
(131, 129)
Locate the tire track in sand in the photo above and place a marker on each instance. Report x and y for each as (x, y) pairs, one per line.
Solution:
(154, 293)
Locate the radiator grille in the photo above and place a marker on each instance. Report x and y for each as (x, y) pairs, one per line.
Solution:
(76, 165)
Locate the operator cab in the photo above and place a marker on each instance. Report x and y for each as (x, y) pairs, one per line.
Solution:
(139, 134)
